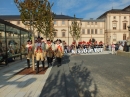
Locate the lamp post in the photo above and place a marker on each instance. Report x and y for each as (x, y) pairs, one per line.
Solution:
(68, 32)
(129, 30)
(128, 40)
(80, 24)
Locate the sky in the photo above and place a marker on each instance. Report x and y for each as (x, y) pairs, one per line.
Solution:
(85, 9)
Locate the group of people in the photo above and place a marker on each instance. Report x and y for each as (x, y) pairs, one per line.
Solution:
(85, 47)
(44, 50)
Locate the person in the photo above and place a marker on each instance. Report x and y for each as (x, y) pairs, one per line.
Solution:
(39, 53)
(120, 47)
(65, 48)
(29, 47)
(59, 50)
(73, 49)
(113, 48)
(101, 47)
(85, 48)
(49, 52)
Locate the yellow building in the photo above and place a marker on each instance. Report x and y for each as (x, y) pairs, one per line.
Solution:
(116, 23)
(109, 27)
(89, 28)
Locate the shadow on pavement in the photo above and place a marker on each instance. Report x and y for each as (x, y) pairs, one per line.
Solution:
(66, 81)
(56, 84)
(84, 82)
(17, 82)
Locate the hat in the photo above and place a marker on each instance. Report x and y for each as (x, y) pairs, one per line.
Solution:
(59, 40)
(38, 37)
(48, 39)
(29, 41)
(41, 38)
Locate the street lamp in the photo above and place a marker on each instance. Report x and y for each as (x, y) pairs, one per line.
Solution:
(128, 40)
(129, 30)
(68, 32)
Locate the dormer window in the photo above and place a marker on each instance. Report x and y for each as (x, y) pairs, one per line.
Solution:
(63, 22)
(114, 17)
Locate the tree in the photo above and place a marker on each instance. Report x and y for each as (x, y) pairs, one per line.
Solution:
(44, 24)
(34, 14)
(75, 29)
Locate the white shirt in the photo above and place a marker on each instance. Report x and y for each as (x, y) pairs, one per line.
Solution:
(121, 47)
(40, 44)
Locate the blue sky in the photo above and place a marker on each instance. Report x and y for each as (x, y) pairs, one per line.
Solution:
(85, 9)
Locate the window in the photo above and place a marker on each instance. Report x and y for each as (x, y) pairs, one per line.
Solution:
(9, 34)
(83, 31)
(124, 36)
(63, 22)
(95, 31)
(124, 26)
(63, 34)
(55, 34)
(114, 26)
(114, 17)
(88, 31)
(100, 31)
(18, 22)
(54, 22)
(91, 31)
(124, 17)
(95, 23)
(92, 23)
(114, 37)
(88, 23)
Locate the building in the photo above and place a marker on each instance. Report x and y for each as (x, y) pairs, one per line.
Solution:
(90, 28)
(116, 22)
(12, 41)
(109, 27)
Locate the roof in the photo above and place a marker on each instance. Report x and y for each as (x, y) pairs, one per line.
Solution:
(12, 25)
(126, 7)
(124, 11)
(17, 17)
(64, 17)
(91, 20)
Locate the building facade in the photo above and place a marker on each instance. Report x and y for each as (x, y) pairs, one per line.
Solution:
(89, 28)
(110, 27)
(116, 23)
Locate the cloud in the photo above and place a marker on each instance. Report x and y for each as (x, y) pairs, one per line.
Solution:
(87, 7)
(93, 14)
(105, 7)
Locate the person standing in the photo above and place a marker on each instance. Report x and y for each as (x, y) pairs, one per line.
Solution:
(49, 52)
(39, 52)
(29, 47)
(113, 48)
(59, 52)
(101, 47)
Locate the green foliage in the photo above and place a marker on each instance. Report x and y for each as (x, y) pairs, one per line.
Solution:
(38, 15)
(75, 29)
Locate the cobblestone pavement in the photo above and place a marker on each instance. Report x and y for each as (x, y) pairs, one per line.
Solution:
(101, 75)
